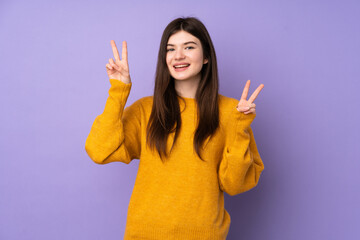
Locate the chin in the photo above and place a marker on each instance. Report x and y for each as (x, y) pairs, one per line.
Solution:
(182, 78)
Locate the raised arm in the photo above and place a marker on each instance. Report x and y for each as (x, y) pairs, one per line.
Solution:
(115, 134)
(241, 165)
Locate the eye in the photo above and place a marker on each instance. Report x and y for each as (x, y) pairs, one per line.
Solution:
(190, 47)
(170, 49)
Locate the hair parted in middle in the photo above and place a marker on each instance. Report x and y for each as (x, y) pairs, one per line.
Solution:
(165, 115)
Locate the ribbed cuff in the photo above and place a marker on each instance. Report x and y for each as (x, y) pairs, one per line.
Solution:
(119, 89)
(238, 123)
(115, 103)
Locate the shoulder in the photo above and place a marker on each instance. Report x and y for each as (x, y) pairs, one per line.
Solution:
(139, 108)
(227, 107)
(145, 102)
(142, 104)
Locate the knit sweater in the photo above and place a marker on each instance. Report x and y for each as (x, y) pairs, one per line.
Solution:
(182, 198)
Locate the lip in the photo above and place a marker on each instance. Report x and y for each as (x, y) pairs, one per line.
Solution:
(182, 63)
(181, 69)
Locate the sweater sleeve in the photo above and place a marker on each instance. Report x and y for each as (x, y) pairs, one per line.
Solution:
(115, 134)
(241, 165)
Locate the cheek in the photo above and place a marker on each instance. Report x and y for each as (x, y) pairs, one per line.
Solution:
(168, 61)
(198, 57)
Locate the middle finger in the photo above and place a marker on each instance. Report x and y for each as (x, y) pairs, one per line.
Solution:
(256, 93)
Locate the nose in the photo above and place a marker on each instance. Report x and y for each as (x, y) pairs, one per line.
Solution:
(179, 54)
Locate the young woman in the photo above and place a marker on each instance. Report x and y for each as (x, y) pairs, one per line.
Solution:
(193, 143)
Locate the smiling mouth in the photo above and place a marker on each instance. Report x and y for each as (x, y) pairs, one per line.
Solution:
(181, 66)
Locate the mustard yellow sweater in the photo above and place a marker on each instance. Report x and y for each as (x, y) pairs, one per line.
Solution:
(182, 198)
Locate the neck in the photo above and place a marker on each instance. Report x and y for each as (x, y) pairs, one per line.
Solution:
(187, 88)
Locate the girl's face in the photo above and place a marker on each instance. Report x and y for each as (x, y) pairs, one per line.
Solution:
(184, 56)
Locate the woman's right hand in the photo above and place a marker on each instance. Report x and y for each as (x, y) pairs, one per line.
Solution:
(119, 69)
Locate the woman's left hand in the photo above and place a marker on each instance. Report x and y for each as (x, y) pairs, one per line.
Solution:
(247, 106)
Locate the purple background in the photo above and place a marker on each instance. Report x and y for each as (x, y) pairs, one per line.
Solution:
(54, 84)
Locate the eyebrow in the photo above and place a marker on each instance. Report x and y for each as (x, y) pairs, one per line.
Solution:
(184, 43)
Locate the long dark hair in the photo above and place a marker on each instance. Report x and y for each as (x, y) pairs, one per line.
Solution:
(165, 116)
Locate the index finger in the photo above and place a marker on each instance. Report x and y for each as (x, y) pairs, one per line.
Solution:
(256, 93)
(115, 50)
(124, 53)
(246, 90)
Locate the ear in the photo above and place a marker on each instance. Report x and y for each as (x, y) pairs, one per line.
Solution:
(205, 61)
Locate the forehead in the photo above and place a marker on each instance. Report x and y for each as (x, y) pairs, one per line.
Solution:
(181, 37)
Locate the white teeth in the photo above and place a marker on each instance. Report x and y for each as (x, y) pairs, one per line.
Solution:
(180, 66)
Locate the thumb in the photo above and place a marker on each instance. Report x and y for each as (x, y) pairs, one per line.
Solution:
(242, 108)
